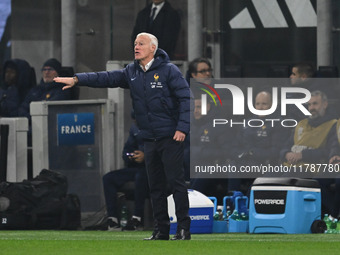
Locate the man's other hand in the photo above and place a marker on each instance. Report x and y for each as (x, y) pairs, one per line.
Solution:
(179, 136)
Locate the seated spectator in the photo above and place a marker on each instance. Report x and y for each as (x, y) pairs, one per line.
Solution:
(135, 170)
(311, 141)
(312, 136)
(200, 70)
(260, 145)
(47, 90)
(301, 76)
(304, 76)
(200, 76)
(208, 146)
(18, 79)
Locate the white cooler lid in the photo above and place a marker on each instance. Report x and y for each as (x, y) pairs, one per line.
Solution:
(196, 200)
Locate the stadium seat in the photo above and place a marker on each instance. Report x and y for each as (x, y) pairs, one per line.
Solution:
(233, 71)
(278, 71)
(328, 72)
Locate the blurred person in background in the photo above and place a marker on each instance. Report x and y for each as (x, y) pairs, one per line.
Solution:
(18, 78)
(163, 21)
(47, 90)
(133, 156)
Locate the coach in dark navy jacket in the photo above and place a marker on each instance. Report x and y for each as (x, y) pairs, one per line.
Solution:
(161, 101)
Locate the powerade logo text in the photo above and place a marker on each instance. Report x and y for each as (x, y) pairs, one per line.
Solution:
(199, 217)
(75, 128)
(269, 201)
(238, 104)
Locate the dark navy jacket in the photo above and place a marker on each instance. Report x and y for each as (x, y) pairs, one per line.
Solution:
(43, 92)
(263, 143)
(160, 96)
(210, 144)
(12, 96)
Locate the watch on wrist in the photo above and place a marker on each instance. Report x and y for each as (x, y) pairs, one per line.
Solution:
(75, 79)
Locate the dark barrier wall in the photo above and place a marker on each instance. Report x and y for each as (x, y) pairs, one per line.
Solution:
(257, 34)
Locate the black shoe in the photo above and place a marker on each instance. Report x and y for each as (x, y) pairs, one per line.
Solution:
(113, 226)
(182, 235)
(157, 236)
(133, 224)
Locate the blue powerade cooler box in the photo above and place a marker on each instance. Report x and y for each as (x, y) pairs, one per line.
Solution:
(201, 210)
(284, 205)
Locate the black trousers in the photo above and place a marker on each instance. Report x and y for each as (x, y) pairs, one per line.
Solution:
(164, 165)
(330, 198)
(113, 182)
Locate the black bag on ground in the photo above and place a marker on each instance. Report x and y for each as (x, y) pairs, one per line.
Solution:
(71, 216)
(40, 203)
(61, 213)
(49, 185)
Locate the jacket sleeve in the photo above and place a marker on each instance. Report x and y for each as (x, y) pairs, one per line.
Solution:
(107, 79)
(287, 147)
(278, 138)
(335, 149)
(316, 155)
(180, 88)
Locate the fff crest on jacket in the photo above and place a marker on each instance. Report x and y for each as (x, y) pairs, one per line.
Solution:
(156, 83)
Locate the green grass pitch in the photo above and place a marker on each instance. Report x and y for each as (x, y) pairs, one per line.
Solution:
(132, 243)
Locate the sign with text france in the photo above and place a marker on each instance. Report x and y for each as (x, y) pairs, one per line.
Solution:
(75, 128)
